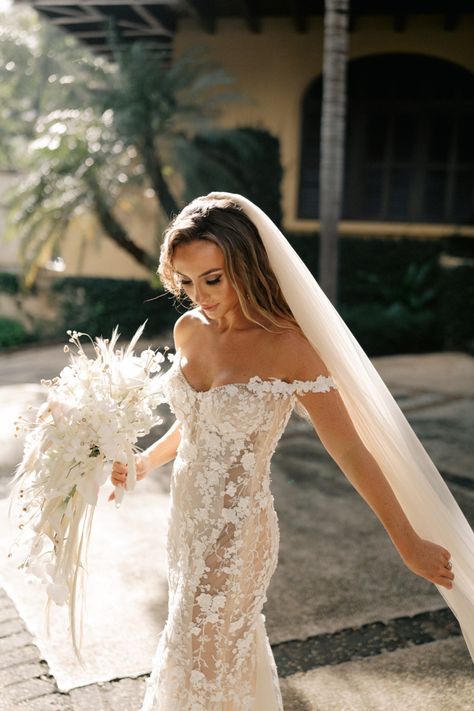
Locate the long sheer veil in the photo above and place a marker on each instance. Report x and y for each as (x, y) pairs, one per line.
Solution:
(381, 425)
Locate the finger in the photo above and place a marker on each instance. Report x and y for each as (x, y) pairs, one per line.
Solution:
(440, 580)
(117, 476)
(447, 582)
(119, 467)
(445, 571)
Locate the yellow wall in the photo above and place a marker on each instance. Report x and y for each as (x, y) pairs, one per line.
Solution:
(274, 68)
(86, 251)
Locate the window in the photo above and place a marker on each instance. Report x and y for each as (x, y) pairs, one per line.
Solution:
(409, 141)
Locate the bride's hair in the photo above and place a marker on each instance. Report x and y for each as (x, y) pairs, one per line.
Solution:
(224, 223)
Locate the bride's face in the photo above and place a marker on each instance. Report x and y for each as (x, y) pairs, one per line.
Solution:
(200, 268)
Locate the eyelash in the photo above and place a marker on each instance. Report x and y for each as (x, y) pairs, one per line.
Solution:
(214, 281)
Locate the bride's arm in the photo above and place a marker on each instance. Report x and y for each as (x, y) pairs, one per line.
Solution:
(337, 433)
(159, 453)
(163, 450)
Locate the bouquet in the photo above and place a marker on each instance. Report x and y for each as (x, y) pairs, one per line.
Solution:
(94, 414)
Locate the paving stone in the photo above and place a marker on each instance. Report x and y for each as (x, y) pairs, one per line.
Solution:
(27, 653)
(20, 672)
(12, 626)
(124, 695)
(5, 600)
(431, 677)
(51, 702)
(13, 641)
(6, 705)
(293, 700)
(366, 640)
(28, 685)
(8, 612)
(28, 689)
(86, 698)
(7, 608)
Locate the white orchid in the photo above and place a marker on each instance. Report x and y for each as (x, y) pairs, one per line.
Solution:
(94, 413)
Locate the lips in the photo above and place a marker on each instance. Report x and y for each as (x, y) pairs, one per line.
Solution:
(208, 308)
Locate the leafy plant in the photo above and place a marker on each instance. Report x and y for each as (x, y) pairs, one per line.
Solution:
(417, 290)
(399, 315)
(118, 129)
(383, 330)
(41, 70)
(12, 333)
(99, 304)
(226, 160)
(9, 283)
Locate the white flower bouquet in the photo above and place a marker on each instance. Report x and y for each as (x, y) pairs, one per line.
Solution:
(94, 414)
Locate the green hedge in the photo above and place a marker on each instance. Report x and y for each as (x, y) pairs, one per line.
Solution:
(9, 283)
(12, 333)
(387, 258)
(245, 160)
(382, 330)
(394, 296)
(458, 246)
(97, 305)
(457, 308)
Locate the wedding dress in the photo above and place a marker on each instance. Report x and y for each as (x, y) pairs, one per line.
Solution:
(222, 545)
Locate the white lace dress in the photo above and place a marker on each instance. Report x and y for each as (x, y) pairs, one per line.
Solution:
(222, 546)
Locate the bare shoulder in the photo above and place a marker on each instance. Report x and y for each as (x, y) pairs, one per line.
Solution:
(301, 361)
(186, 326)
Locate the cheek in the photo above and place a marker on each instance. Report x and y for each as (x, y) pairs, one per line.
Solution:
(229, 292)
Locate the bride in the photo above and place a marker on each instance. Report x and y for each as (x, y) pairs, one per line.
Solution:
(251, 350)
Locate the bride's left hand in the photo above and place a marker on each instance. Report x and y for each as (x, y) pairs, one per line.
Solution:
(120, 472)
(429, 560)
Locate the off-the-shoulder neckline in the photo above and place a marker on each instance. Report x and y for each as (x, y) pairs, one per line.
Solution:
(252, 380)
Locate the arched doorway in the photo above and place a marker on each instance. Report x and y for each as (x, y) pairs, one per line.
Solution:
(409, 141)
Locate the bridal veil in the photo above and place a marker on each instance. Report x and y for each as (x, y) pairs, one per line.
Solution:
(381, 425)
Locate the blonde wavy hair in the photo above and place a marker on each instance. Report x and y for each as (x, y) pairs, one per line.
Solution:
(224, 223)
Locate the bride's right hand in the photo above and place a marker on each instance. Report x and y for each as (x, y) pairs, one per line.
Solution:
(119, 473)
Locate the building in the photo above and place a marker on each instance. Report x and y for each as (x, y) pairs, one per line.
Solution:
(410, 113)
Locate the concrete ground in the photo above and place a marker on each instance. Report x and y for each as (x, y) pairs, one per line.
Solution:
(351, 628)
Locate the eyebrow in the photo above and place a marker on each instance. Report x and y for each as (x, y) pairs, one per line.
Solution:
(209, 271)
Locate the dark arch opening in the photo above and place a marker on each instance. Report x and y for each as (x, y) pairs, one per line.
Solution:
(409, 141)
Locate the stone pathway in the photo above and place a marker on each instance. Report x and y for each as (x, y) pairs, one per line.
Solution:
(338, 670)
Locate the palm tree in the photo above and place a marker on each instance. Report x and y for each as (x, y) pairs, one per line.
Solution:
(40, 71)
(331, 169)
(157, 104)
(77, 164)
(137, 116)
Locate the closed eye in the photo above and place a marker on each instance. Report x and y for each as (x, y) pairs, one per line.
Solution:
(208, 281)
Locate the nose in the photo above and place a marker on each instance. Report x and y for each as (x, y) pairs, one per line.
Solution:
(200, 295)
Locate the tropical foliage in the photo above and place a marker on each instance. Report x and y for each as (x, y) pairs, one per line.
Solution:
(127, 124)
(41, 70)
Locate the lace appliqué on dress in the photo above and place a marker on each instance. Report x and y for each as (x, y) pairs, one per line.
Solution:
(222, 546)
